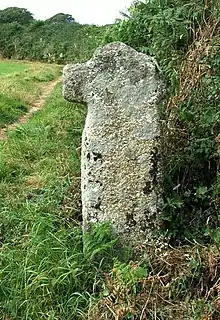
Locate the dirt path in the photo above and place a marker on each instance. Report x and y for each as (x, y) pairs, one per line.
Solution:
(36, 106)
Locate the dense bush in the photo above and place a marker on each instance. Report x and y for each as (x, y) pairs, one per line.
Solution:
(164, 29)
(14, 14)
(59, 39)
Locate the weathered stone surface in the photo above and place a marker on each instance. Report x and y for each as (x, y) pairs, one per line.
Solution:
(121, 140)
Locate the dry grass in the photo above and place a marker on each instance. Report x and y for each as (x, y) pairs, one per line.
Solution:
(182, 284)
(192, 69)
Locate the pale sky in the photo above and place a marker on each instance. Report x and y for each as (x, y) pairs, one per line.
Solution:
(84, 11)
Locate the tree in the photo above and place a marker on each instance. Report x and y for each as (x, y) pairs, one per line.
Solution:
(61, 17)
(10, 35)
(14, 14)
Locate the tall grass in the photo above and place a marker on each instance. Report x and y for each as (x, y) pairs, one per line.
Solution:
(44, 272)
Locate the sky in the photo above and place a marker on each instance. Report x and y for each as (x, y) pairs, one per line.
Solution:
(84, 11)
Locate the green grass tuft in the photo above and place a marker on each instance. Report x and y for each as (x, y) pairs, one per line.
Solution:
(10, 110)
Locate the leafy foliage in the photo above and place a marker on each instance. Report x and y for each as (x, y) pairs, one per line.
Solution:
(14, 14)
(61, 17)
(192, 168)
(164, 29)
(58, 39)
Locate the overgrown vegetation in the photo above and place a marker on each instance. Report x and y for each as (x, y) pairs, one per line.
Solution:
(59, 39)
(184, 284)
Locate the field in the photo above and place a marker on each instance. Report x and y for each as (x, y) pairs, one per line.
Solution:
(21, 84)
(44, 271)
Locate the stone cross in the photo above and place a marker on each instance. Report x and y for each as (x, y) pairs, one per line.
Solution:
(120, 166)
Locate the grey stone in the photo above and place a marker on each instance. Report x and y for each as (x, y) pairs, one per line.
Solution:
(121, 171)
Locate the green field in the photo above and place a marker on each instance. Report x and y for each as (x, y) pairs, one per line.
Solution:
(7, 67)
(20, 86)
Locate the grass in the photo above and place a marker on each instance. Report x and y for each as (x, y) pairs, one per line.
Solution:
(7, 67)
(10, 109)
(182, 284)
(44, 272)
(48, 270)
(38, 235)
(21, 84)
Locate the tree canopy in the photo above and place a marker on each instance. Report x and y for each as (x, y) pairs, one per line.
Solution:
(58, 39)
(61, 17)
(14, 14)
